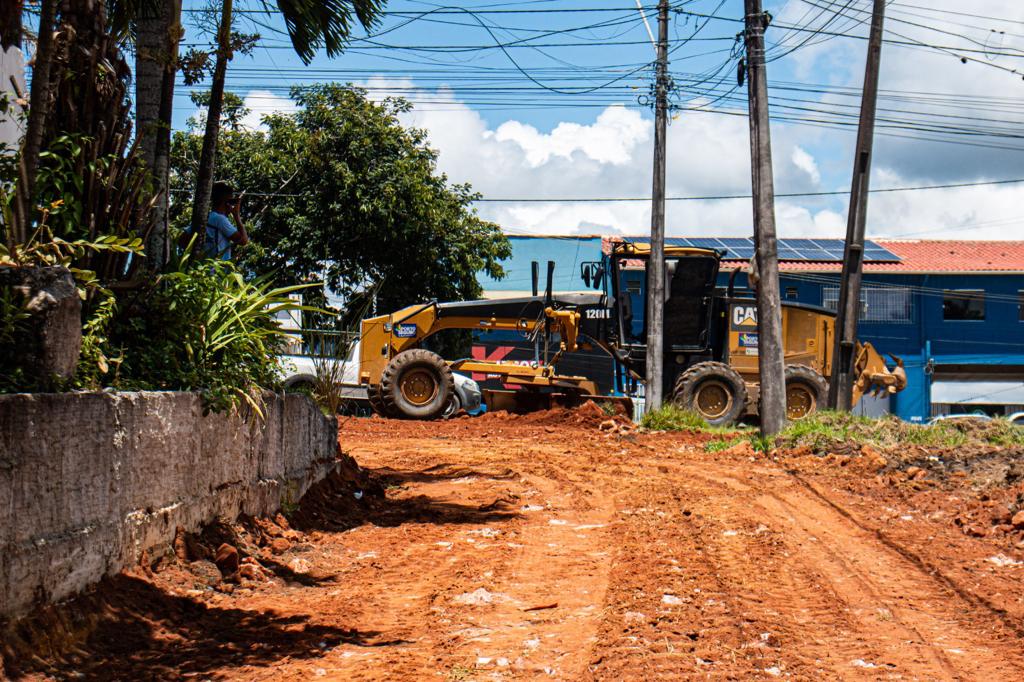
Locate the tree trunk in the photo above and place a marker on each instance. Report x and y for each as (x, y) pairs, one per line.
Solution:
(39, 106)
(10, 24)
(157, 35)
(204, 175)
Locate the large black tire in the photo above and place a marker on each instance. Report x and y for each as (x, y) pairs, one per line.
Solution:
(713, 390)
(376, 402)
(806, 391)
(416, 384)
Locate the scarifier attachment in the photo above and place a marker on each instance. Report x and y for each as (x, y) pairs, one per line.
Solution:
(873, 375)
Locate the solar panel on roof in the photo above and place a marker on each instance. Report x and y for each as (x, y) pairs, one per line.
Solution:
(742, 248)
(800, 244)
(812, 253)
(874, 251)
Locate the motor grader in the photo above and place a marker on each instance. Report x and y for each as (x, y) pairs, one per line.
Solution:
(710, 352)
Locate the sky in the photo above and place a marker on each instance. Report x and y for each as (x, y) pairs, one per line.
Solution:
(540, 101)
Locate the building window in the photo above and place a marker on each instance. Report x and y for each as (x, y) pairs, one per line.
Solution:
(963, 304)
(791, 293)
(878, 304)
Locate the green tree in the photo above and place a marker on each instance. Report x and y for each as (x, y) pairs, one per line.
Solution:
(341, 191)
(311, 26)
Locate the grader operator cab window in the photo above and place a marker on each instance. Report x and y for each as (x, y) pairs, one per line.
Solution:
(688, 287)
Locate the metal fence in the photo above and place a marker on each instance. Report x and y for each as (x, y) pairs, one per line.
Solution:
(880, 304)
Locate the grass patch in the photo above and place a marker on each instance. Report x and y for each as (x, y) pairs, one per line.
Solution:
(825, 430)
(672, 418)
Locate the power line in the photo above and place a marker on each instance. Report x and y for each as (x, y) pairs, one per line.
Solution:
(723, 197)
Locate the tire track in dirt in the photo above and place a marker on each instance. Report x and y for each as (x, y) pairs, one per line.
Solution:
(523, 600)
(911, 621)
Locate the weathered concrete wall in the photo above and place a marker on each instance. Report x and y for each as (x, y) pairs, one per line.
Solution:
(90, 480)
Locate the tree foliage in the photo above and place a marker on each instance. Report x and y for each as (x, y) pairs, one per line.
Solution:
(341, 191)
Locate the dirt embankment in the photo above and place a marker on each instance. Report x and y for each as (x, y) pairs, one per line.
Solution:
(569, 546)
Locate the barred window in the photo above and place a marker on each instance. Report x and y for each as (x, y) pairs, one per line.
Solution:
(881, 304)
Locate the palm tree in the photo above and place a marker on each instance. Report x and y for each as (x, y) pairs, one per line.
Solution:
(311, 25)
(10, 24)
(157, 34)
(39, 106)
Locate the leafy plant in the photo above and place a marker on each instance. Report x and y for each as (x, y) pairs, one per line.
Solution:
(330, 352)
(14, 319)
(93, 363)
(203, 327)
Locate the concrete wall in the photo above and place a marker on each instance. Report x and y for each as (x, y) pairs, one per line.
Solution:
(88, 481)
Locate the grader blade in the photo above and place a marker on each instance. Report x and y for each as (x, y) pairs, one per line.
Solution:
(523, 402)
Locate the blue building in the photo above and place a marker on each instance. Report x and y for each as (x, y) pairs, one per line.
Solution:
(952, 310)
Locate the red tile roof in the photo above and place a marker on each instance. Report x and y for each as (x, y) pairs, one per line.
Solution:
(919, 256)
(932, 256)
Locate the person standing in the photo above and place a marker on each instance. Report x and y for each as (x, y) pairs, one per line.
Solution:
(221, 234)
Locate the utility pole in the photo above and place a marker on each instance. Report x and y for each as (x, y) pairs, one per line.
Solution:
(769, 307)
(655, 314)
(848, 309)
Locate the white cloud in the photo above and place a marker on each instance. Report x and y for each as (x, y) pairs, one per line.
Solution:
(610, 156)
(262, 103)
(805, 162)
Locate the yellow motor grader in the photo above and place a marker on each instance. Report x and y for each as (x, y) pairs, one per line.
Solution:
(710, 353)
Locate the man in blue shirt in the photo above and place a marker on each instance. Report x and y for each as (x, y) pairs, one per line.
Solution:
(220, 233)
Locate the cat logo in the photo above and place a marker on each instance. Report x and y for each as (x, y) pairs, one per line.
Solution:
(744, 317)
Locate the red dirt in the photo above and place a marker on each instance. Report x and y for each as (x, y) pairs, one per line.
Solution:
(543, 547)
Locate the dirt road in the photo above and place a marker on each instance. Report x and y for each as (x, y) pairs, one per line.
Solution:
(520, 549)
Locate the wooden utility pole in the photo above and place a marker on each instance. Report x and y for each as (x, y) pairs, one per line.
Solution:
(769, 307)
(656, 263)
(848, 310)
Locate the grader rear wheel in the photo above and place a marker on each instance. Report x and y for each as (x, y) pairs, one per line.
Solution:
(417, 384)
(713, 390)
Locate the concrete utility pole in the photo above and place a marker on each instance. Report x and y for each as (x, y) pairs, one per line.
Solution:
(848, 310)
(769, 307)
(656, 263)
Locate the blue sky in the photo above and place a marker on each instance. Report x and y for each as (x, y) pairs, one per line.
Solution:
(516, 123)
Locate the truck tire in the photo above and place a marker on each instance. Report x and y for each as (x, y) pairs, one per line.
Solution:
(806, 391)
(713, 390)
(416, 384)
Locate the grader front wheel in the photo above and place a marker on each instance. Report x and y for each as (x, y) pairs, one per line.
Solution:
(417, 384)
